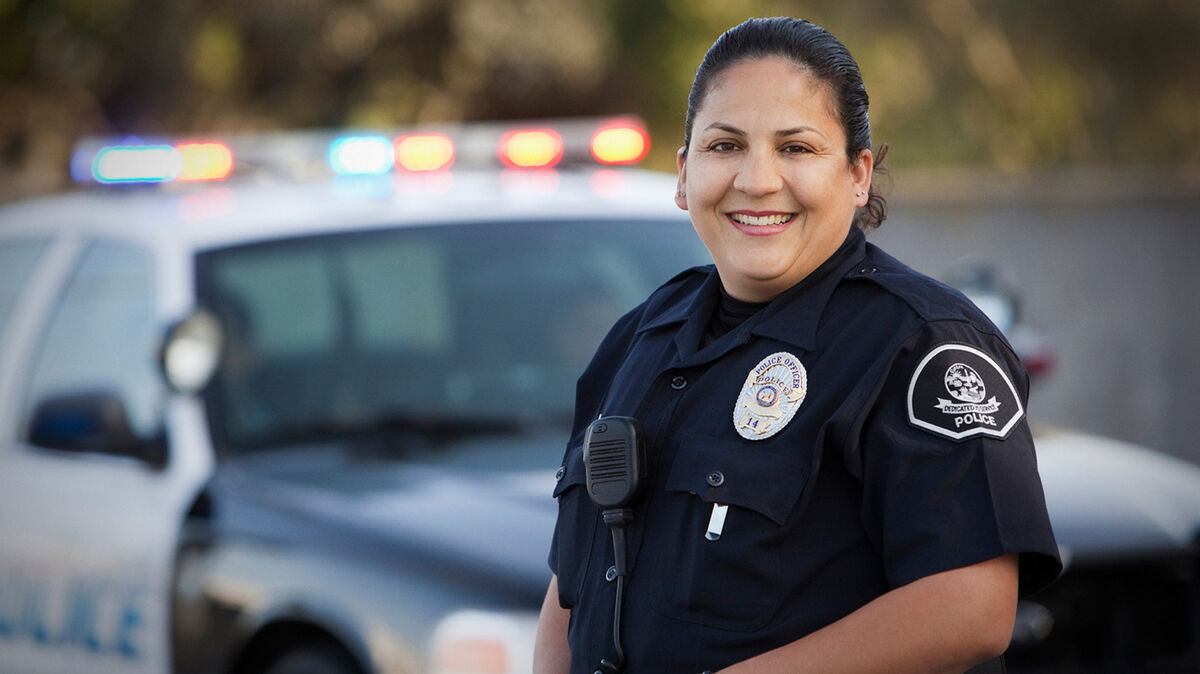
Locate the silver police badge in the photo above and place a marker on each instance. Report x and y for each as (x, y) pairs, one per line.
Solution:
(770, 397)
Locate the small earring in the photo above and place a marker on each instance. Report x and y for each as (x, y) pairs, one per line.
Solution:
(859, 194)
(680, 195)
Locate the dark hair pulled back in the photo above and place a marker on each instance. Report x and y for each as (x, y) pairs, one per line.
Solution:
(819, 52)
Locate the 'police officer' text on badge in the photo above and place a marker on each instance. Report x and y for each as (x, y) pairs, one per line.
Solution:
(770, 397)
(959, 392)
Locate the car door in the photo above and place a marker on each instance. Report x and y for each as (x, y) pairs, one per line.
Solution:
(89, 500)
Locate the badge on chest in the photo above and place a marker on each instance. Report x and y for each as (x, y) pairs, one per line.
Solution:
(770, 397)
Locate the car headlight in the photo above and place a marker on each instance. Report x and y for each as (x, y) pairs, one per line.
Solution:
(483, 642)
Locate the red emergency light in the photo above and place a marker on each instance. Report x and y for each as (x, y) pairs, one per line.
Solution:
(531, 148)
(620, 144)
(424, 152)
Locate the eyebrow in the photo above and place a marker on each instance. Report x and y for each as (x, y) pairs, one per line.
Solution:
(729, 128)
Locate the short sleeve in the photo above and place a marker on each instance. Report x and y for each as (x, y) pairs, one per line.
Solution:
(949, 467)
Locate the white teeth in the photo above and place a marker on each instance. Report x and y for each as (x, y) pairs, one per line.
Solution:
(756, 220)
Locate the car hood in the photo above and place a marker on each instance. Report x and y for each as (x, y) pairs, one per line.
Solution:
(1106, 499)
(1109, 499)
(485, 522)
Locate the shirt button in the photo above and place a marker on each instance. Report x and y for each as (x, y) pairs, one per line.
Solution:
(715, 478)
(868, 270)
(558, 474)
(611, 574)
(678, 382)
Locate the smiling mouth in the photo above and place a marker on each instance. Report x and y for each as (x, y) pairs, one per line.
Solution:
(762, 220)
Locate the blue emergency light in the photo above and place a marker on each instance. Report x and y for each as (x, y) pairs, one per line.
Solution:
(361, 155)
(137, 164)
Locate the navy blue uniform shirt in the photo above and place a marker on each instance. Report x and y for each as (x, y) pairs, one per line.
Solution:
(864, 429)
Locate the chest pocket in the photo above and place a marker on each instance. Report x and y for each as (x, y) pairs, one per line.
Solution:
(738, 580)
(575, 531)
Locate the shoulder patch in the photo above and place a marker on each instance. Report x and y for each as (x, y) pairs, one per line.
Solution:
(958, 391)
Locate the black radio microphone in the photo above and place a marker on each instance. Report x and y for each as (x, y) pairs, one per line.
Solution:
(614, 462)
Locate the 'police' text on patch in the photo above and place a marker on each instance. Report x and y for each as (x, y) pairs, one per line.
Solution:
(959, 392)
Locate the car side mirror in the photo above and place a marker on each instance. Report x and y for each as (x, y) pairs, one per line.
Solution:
(978, 281)
(191, 352)
(92, 422)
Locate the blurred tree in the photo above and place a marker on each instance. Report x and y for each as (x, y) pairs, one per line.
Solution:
(1008, 83)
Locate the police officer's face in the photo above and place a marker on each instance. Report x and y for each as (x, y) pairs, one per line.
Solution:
(766, 179)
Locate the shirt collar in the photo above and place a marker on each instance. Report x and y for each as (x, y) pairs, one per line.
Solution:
(794, 316)
(687, 303)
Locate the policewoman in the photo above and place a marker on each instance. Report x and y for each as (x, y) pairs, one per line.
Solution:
(839, 472)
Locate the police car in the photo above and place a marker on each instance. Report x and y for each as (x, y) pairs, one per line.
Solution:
(294, 403)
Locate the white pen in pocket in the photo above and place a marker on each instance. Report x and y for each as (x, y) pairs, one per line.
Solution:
(716, 522)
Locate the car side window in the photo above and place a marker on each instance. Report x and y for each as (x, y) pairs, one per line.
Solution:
(17, 261)
(101, 337)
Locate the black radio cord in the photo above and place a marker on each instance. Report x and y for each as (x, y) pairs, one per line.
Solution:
(617, 519)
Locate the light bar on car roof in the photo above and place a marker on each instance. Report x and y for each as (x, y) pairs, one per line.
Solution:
(305, 154)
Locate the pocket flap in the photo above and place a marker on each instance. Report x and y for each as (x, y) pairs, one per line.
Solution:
(732, 473)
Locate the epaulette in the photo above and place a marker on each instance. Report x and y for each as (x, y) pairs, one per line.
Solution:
(929, 298)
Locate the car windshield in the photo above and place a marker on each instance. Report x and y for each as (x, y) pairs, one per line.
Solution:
(442, 331)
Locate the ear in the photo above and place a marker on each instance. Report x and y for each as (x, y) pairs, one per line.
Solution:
(860, 176)
(681, 181)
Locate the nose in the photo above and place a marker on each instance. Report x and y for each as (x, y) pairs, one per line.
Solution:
(758, 174)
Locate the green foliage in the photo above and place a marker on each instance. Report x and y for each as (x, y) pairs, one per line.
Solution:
(1009, 83)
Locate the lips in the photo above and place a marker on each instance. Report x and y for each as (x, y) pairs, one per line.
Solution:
(761, 223)
(761, 219)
